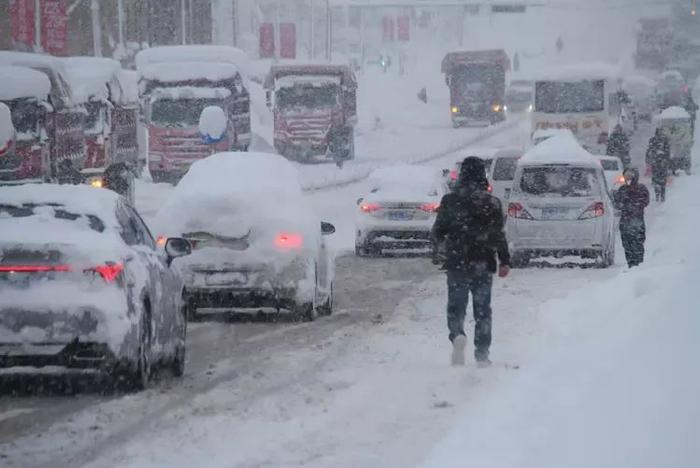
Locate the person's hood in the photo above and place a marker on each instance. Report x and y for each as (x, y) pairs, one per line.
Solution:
(633, 175)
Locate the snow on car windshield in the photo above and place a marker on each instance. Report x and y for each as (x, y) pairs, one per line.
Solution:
(556, 97)
(55, 211)
(307, 96)
(561, 181)
(179, 112)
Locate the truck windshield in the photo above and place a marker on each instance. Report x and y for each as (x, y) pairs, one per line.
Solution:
(477, 82)
(25, 117)
(179, 112)
(307, 97)
(562, 181)
(559, 97)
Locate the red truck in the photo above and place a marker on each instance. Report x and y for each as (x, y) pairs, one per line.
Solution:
(175, 84)
(477, 82)
(49, 124)
(315, 111)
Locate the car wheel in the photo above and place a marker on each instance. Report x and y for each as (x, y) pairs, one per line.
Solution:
(140, 377)
(191, 310)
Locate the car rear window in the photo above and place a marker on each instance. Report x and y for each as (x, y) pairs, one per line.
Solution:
(55, 210)
(562, 181)
(504, 168)
(609, 165)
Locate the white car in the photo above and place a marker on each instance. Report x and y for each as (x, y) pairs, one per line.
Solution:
(541, 135)
(257, 244)
(502, 172)
(560, 206)
(399, 210)
(451, 175)
(612, 167)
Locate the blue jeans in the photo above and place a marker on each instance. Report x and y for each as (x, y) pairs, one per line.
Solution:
(478, 281)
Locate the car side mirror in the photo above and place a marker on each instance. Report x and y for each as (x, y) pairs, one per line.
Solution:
(327, 228)
(359, 200)
(176, 247)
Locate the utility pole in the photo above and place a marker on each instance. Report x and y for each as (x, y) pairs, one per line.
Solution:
(121, 19)
(96, 28)
(329, 32)
(183, 21)
(312, 47)
(37, 25)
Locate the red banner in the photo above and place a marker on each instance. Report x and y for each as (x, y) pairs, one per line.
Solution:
(54, 26)
(388, 28)
(288, 40)
(22, 23)
(403, 24)
(267, 40)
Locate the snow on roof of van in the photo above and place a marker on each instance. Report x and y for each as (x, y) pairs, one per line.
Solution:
(674, 112)
(551, 132)
(184, 71)
(589, 71)
(27, 59)
(21, 82)
(560, 149)
(193, 53)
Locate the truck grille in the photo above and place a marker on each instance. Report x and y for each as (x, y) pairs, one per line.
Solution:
(308, 128)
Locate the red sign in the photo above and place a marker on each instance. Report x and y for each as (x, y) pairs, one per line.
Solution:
(22, 23)
(403, 25)
(388, 28)
(288, 40)
(54, 26)
(267, 40)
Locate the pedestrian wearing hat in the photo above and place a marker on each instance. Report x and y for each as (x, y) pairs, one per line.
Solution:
(631, 199)
(469, 230)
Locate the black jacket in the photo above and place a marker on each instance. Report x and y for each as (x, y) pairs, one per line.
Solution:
(619, 145)
(469, 226)
(631, 200)
(659, 157)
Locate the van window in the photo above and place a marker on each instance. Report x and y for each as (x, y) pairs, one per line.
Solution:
(560, 181)
(610, 165)
(504, 168)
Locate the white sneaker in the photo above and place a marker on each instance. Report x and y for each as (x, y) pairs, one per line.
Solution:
(458, 345)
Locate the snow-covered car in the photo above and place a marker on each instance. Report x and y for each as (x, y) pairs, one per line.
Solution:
(83, 285)
(257, 244)
(399, 210)
(538, 136)
(612, 167)
(559, 205)
(451, 175)
(519, 96)
(502, 171)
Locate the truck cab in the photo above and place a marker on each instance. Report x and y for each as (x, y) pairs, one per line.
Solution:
(315, 111)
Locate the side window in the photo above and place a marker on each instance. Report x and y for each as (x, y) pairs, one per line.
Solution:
(144, 233)
(134, 230)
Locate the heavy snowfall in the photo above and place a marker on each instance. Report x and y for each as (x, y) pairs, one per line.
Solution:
(221, 234)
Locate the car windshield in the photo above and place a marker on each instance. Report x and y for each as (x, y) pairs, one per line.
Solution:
(610, 165)
(558, 97)
(477, 81)
(25, 116)
(93, 121)
(54, 210)
(504, 168)
(562, 181)
(307, 97)
(179, 112)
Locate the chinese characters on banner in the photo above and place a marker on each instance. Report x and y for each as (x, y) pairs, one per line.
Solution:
(54, 26)
(288, 40)
(403, 24)
(22, 23)
(267, 40)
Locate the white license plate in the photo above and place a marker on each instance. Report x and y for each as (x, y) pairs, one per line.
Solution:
(554, 212)
(400, 215)
(226, 279)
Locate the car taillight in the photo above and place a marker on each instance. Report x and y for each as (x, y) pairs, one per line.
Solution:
(289, 241)
(369, 207)
(454, 175)
(109, 271)
(516, 210)
(596, 210)
(620, 180)
(430, 207)
(161, 240)
(489, 189)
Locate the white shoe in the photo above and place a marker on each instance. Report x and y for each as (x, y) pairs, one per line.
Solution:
(458, 345)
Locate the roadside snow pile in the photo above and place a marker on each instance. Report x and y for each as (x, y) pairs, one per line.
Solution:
(615, 383)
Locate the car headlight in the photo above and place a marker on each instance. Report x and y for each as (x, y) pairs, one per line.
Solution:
(455, 109)
(96, 182)
(497, 108)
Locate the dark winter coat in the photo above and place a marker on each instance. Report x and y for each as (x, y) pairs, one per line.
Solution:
(470, 225)
(619, 145)
(631, 200)
(659, 157)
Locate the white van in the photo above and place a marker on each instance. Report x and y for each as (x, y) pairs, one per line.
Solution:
(502, 171)
(560, 205)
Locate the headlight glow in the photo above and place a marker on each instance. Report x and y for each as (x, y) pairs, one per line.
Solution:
(455, 109)
(497, 108)
(97, 183)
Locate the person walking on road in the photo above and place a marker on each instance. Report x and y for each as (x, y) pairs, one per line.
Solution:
(469, 231)
(631, 199)
(619, 145)
(658, 160)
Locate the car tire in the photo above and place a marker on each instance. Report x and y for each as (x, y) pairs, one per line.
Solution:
(191, 310)
(140, 376)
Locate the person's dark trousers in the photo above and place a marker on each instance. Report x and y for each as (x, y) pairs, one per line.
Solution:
(660, 191)
(633, 233)
(478, 281)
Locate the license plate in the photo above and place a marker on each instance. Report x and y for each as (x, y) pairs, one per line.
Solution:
(400, 215)
(554, 212)
(507, 193)
(226, 279)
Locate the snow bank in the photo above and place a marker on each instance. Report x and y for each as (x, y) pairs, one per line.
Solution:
(559, 149)
(613, 382)
(674, 113)
(21, 82)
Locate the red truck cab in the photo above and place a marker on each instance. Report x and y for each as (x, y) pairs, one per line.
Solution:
(315, 111)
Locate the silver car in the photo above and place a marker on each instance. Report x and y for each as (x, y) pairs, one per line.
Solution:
(560, 208)
(83, 286)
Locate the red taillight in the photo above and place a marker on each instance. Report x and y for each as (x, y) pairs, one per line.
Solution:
(489, 188)
(620, 180)
(32, 268)
(516, 210)
(161, 240)
(453, 175)
(369, 207)
(596, 210)
(6, 149)
(430, 207)
(289, 241)
(109, 271)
